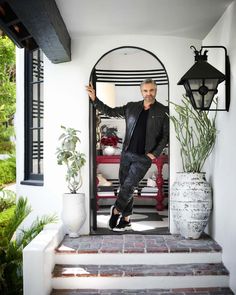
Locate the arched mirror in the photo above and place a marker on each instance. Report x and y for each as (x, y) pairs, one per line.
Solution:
(117, 77)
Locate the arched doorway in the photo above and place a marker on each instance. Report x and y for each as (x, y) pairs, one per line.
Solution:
(119, 73)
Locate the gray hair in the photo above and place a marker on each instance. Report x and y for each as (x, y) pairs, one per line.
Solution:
(148, 81)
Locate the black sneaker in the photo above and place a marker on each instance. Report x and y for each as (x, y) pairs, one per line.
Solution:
(113, 218)
(123, 225)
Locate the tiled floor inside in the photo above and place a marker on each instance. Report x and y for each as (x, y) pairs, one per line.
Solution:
(143, 220)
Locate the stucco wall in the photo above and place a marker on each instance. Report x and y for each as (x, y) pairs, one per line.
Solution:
(223, 160)
(66, 103)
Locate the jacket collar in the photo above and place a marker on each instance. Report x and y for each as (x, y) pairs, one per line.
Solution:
(152, 105)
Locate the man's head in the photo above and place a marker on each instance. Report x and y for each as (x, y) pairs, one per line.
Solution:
(148, 89)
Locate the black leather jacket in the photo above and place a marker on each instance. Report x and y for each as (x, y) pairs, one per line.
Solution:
(157, 133)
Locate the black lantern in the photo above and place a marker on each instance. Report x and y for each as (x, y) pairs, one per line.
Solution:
(202, 79)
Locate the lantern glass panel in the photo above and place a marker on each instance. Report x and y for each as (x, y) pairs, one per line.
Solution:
(198, 99)
(208, 99)
(211, 83)
(195, 84)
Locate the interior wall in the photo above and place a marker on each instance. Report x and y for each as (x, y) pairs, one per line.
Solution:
(132, 59)
(221, 167)
(67, 103)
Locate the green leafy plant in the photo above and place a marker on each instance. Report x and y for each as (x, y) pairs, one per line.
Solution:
(11, 245)
(196, 133)
(7, 171)
(7, 199)
(7, 92)
(69, 156)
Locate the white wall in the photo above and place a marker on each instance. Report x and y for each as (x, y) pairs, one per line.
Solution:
(66, 103)
(222, 168)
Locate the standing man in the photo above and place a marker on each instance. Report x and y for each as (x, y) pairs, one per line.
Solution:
(147, 133)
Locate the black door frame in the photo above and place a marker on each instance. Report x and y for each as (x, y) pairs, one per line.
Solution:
(92, 137)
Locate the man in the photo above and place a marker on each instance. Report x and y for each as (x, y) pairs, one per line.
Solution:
(147, 132)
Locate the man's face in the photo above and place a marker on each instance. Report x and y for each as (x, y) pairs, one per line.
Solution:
(149, 91)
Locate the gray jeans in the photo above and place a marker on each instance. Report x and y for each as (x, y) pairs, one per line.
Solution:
(133, 168)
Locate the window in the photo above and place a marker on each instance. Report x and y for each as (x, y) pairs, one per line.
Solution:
(34, 115)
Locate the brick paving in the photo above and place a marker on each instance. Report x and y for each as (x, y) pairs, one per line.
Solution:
(188, 291)
(134, 270)
(136, 244)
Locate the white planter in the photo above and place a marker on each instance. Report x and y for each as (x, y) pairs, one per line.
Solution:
(109, 150)
(73, 213)
(191, 203)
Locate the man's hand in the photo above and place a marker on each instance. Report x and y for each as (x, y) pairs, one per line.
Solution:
(151, 156)
(91, 91)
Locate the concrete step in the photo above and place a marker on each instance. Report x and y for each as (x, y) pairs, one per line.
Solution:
(182, 291)
(140, 276)
(137, 249)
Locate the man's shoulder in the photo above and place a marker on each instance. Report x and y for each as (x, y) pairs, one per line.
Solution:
(136, 102)
(161, 107)
(132, 104)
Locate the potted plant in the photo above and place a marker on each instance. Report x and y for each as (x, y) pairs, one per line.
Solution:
(73, 212)
(109, 139)
(191, 194)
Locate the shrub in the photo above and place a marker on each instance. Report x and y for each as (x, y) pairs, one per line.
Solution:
(7, 199)
(7, 171)
(11, 274)
(5, 216)
(7, 147)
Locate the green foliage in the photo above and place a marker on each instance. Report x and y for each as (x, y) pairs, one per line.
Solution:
(7, 84)
(36, 227)
(69, 156)
(5, 215)
(108, 131)
(196, 133)
(7, 56)
(6, 146)
(5, 132)
(7, 171)
(11, 247)
(7, 199)
(7, 207)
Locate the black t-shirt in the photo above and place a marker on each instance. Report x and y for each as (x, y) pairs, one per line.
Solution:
(137, 142)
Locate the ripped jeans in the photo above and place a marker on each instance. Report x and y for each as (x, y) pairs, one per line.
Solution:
(133, 168)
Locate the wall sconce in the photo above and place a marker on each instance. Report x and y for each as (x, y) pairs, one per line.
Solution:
(202, 79)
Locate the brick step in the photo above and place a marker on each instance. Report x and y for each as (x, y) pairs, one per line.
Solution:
(140, 276)
(182, 291)
(137, 249)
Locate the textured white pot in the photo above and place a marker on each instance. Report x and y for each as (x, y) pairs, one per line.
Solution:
(73, 213)
(191, 203)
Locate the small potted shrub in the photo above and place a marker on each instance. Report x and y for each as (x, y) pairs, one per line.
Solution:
(73, 212)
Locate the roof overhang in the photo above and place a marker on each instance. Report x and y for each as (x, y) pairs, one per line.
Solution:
(36, 24)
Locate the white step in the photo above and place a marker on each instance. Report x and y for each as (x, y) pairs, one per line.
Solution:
(139, 276)
(137, 262)
(137, 258)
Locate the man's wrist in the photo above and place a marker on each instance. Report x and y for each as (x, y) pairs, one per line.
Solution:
(151, 156)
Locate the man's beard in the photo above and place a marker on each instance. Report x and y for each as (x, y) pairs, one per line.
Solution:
(149, 98)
